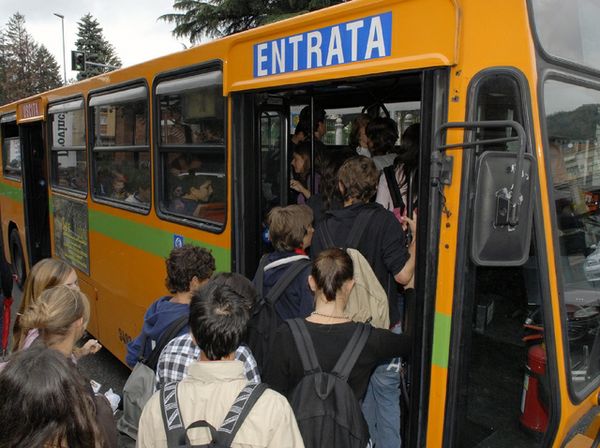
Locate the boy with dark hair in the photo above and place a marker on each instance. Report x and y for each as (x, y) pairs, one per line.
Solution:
(188, 268)
(383, 245)
(218, 321)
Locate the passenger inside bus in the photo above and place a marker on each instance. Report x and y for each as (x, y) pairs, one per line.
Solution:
(382, 134)
(357, 140)
(200, 192)
(118, 185)
(301, 173)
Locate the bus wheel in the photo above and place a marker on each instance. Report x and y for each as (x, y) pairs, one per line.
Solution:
(18, 260)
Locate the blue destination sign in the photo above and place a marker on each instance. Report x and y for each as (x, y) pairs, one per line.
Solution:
(358, 40)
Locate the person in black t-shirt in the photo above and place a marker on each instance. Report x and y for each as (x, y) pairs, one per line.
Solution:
(330, 328)
(383, 244)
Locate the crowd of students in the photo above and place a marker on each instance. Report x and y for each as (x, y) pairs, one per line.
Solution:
(237, 333)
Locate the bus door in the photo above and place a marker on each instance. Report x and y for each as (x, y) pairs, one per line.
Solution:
(35, 191)
(273, 159)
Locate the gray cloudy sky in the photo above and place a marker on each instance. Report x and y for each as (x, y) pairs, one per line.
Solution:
(130, 25)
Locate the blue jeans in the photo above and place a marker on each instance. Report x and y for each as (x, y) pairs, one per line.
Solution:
(381, 405)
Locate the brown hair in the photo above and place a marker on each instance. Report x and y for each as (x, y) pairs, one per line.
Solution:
(185, 263)
(331, 269)
(288, 226)
(51, 403)
(361, 121)
(358, 176)
(54, 311)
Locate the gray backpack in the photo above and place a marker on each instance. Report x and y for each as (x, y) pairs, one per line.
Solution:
(141, 383)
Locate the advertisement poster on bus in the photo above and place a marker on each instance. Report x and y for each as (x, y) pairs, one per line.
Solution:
(71, 232)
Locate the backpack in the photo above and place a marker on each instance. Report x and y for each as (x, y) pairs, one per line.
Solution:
(326, 409)
(177, 436)
(139, 387)
(368, 301)
(265, 320)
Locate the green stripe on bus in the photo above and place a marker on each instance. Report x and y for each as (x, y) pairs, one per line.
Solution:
(10, 192)
(441, 339)
(148, 239)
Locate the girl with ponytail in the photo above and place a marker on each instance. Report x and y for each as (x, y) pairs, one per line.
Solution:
(330, 328)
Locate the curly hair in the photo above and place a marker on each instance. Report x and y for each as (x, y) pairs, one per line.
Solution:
(358, 177)
(185, 263)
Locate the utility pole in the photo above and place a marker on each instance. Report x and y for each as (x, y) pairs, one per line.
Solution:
(62, 20)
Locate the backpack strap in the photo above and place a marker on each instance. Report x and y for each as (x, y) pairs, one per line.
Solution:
(359, 227)
(171, 416)
(306, 349)
(325, 235)
(286, 279)
(394, 188)
(349, 356)
(238, 412)
(171, 332)
(260, 274)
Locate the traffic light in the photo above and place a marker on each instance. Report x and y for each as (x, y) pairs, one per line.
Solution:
(77, 61)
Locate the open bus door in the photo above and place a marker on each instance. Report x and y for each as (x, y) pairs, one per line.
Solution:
(35, 192)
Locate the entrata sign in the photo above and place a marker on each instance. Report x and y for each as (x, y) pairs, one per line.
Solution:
(30, 111)
(358, 40)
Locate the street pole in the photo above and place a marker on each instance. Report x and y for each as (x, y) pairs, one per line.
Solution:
(62, 20)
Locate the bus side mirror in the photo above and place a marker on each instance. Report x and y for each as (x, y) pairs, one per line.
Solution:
(502, 222)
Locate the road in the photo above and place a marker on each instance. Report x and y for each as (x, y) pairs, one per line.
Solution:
(101, 367)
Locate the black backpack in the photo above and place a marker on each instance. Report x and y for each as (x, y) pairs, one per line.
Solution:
(221, 438)
(265, 320)
(326, 409)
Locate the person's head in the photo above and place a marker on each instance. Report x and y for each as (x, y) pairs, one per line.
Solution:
(202, 189)
(382, 134)
(188, 268)
(290, 227)
(118, 181)
(58, 313)
(49, 402)
(332, 276)
(358, 177)
(240, 284)
(318, 120)
(218, 319)
(45, 274)
(358, 135)
(408, 154)
(301, 158)
(328, 187)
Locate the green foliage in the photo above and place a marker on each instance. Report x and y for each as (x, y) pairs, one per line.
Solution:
(26, 68)
(96, 48)
(196, 19)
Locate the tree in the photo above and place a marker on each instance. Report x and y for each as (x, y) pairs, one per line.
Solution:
(96, 48)
(26, 68)
(216, 18)
(46, 71)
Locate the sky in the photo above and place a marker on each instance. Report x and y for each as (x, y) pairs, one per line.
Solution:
(131, 26)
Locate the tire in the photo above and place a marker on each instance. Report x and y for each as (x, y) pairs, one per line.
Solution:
(17, 258)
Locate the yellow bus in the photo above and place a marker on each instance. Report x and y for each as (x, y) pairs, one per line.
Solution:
(104, 174)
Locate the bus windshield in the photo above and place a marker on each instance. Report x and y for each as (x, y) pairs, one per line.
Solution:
(569, 30)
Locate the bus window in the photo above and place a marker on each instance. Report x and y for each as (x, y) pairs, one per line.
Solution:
(68, 155)
(192, 183)
(572, 120)
(11, 150)
(120, 151)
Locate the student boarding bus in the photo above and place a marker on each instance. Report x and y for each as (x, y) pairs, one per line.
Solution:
(109, 174)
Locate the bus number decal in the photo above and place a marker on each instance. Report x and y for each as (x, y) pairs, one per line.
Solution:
(358, 40)
(124, 337)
